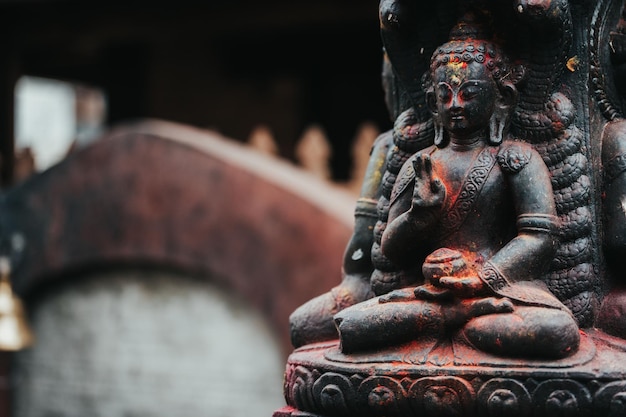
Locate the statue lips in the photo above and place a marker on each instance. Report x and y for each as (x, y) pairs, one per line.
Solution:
(458, 122)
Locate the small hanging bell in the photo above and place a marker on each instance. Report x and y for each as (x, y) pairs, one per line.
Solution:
(15, 333)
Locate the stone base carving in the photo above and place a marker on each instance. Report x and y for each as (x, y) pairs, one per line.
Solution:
(450, 379)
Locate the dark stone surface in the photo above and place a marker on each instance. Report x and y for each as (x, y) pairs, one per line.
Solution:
(456, 381)
(479, 312)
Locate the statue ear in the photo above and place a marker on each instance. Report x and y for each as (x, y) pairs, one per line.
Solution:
(508, 94)
(431, 101)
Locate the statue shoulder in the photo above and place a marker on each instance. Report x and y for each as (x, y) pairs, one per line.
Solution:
(514, 156)
(382, 143)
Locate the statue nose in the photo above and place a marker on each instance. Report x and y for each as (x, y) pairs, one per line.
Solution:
(456, 102)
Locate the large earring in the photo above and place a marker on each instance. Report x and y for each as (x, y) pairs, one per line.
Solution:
(439, 134)
(431, 102)
(501, 113)
(497, 123)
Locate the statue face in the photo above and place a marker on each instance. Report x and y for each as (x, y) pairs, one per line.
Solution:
(465, 97)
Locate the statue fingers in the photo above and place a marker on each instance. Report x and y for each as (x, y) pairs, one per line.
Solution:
(436, 186)
(490, 305)
(423, 166)
(430, 292)
(403, 294)
(428, 165)
(438, 190)
(464, 286)
(417, 166)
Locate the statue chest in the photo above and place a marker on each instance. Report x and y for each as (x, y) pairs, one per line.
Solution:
(478, 198)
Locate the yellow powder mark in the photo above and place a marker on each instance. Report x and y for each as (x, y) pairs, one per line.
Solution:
(455, 71)
(456, 66)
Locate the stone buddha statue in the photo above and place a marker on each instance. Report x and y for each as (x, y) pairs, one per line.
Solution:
(495, 285)
(473, 219)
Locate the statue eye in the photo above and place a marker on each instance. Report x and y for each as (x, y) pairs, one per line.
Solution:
(444, 92)
(469, 91)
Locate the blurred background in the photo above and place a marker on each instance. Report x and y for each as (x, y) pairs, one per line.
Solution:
(236, 67)
(177, 178)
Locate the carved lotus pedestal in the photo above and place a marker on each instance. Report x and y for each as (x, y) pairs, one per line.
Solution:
(452, 379)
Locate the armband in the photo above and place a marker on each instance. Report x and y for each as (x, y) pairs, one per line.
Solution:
(366, 207)
(542, 223)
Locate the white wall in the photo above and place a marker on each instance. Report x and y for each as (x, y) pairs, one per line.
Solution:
(147, 344)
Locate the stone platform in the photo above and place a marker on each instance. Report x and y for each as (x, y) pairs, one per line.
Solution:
(450, 379)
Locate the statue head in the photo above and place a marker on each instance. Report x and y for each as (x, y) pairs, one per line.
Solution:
(471, 85)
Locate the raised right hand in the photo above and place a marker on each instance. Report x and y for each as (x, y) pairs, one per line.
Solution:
(429, 191)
